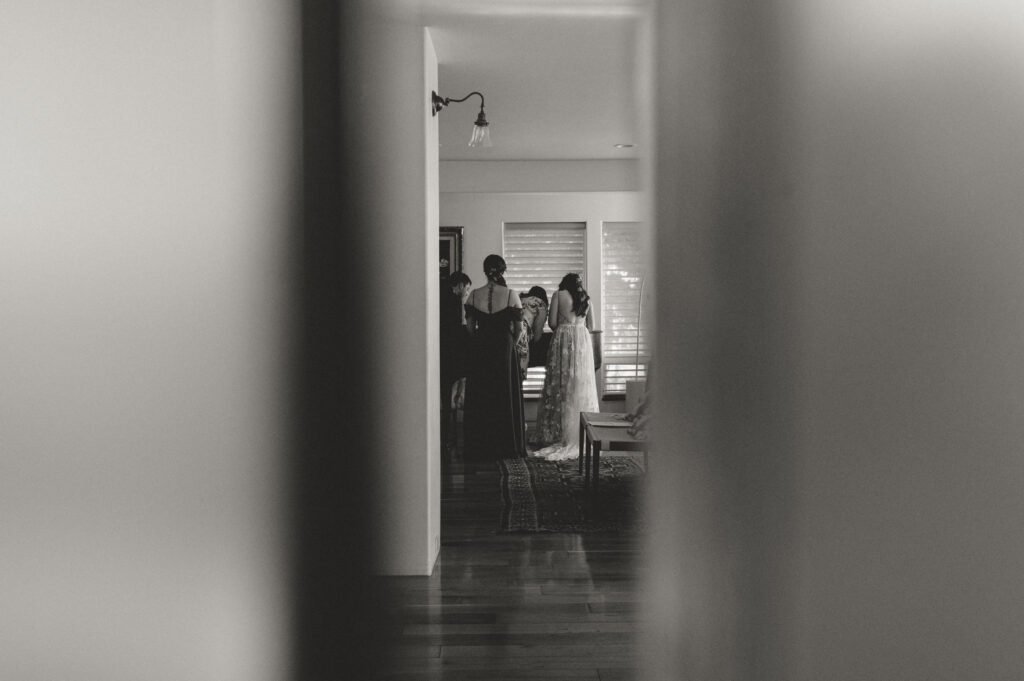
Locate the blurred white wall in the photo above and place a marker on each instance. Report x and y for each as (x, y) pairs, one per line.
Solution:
(840, 374)
(401, 171)
(911, 382)
(147, 160)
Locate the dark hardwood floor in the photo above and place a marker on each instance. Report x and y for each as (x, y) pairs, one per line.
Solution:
(512, 606)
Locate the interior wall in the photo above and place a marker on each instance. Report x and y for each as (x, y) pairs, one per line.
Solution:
(838, 382)
(405, 407)
(542, 176)
(148, 173)
(911, 244)
(433, 343)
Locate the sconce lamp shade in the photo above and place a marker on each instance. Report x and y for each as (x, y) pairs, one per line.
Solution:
(481, 132)
(481, 137)
(481, 129)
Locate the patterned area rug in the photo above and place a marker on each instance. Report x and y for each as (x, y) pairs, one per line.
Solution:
(548, 496)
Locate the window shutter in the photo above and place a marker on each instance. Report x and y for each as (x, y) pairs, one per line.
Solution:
(626, 337)
(540, 254)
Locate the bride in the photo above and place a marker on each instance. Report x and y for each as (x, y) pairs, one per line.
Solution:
(570, 385)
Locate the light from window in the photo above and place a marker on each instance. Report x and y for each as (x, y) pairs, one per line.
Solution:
(540, 254)
(626, 337)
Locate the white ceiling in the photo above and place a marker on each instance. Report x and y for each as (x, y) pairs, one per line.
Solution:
(560, 78)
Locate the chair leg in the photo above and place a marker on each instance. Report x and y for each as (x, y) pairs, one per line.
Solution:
(579, 449)
(586, 462)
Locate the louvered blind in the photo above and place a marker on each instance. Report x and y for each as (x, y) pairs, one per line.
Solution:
(626, 337)
(616, 375)
(540, 254)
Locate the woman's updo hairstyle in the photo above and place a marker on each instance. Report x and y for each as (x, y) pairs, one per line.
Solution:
(580, 298)
(494, 268)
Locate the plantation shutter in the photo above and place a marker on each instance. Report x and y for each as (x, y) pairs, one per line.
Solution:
(540, 254)
(626, 337)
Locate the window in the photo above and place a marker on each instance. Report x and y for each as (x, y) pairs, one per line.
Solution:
(540, 254)
(626, 337)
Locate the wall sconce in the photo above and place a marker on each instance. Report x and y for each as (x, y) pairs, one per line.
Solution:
(481, 131)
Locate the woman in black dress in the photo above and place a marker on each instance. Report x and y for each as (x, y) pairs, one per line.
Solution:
(493, 420)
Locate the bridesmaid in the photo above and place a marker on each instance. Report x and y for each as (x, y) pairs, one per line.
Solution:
(535, 315)
(493, 419)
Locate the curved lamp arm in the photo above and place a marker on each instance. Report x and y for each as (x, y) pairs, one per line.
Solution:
(481, 133)
(437, 102)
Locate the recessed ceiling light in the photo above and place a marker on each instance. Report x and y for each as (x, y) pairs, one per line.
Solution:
(623, 146)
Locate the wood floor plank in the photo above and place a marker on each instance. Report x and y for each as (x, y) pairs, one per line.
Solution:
(618, 674)
(537, 653)
(500, 674)
(411, 649)
(494, 666)
(569, 627)
(512, 607)
(495, 637)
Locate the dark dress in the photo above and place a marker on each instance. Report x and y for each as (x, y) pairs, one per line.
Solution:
(454, 338)
(493, 423)
(453, 343)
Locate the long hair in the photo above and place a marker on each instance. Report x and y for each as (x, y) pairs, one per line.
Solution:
(580, 298)
(494, 268)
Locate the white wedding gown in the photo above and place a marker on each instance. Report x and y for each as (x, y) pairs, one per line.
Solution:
(570, 386)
